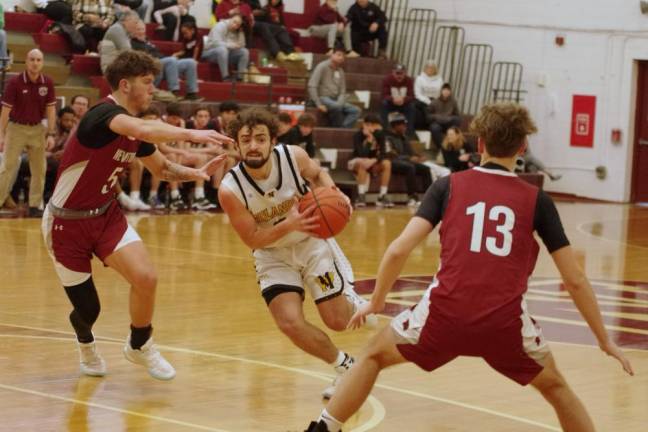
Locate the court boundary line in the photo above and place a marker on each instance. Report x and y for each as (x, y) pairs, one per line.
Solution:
(314, 374)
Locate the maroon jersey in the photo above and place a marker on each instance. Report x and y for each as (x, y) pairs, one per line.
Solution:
(488, 250)
(94, 158)
(28, 99)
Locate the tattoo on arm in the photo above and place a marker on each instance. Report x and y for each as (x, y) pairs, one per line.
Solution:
(176, 172)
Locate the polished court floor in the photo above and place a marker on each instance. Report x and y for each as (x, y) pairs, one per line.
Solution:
(236, 372)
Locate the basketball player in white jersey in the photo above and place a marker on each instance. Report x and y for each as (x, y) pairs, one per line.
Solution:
(260, 197)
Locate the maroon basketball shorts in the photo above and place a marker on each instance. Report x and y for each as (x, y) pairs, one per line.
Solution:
(72, 242)
(430, 339)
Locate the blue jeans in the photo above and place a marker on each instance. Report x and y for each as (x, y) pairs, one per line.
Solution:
(3, 44)
(223, 57)
(173, 67)
(340, 114)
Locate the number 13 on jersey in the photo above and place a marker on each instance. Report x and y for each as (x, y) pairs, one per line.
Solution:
(478, 211)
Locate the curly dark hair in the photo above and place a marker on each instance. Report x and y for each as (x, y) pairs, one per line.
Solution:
(131, 64)
(504, 127)
(252, 117)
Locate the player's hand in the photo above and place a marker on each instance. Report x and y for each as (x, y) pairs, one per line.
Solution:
(612, 349)
(360, 316)
(304, 221)
(209, 137)
(373, 28)
(50, 143)
(210, 167)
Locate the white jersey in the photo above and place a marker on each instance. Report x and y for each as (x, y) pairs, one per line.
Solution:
(269, 200)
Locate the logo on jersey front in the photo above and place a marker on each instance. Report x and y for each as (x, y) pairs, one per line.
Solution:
(624, 307)
(269, 213)
(42, 91)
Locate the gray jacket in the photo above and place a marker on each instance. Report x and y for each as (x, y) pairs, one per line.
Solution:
(221, 36)
(325, 81)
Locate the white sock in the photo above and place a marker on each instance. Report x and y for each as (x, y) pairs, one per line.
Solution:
(135, 195)
(362, 189)
(122, 195)
(383, 190)
(333, 424)
(340, 359)
(343, 362)
(199, 193)
(175, 193)
(153, 194)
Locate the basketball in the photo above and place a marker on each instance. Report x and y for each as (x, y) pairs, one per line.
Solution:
(332, 207)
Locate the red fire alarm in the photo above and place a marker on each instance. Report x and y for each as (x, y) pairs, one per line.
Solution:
(560, 40)
(616, 136)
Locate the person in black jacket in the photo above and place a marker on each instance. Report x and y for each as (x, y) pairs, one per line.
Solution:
(301, 135)
(367, 23)
(369, 157)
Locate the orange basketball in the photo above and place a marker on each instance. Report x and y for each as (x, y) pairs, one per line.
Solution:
(332, 208)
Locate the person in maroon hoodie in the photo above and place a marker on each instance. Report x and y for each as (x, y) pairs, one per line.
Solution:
(329, 24)
(398, 95)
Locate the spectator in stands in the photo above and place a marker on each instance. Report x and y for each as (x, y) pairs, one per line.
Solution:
(443, 114)
(178, 11)
(534, 165)
(284, 125)
(368, 22)
(56, 10)
(327, 89)
(427, 87)
(66, 120)
(302, 135)
(370, 158)
(270, 26)
(227, 9)
(92, 18)
(27, 99)
(405, 160)
(330, 25)
(456, 153)
(118, 38)
(4, 57)
(192, 42)
(226, 45)
(172, 67)
(398, 95)
(228, 111)
(80, 105)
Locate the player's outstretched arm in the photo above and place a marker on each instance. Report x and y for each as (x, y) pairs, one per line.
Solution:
(583, 296)
(163, 168)
(155, 131)
(391, 266)
(255, 236)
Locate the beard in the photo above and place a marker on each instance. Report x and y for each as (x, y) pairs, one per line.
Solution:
(256, 162)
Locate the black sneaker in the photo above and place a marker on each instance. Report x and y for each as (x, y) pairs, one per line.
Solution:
(203, 204)
(177, 204)
(34, 212)
(361, 201)
(384, 201)
(317, 427)
(193, 97)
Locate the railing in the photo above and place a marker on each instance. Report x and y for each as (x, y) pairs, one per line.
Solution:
(396, 26)
(446, 50)
(415, 45)
(506, 82)
(472, 88)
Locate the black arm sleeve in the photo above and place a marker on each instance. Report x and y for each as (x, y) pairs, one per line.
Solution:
(435, 201)
(146, 149)
(93, 130)
(548, 225)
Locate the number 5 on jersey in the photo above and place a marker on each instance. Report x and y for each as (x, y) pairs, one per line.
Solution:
(112, 180)
(478, 211)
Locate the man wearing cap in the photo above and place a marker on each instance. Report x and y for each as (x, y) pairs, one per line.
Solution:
(405, 161)
(398, 95)
(27, 99)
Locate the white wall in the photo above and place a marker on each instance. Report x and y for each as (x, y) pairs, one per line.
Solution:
(603, 39)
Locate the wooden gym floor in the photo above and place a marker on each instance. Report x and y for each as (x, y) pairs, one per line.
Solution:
(236, 372)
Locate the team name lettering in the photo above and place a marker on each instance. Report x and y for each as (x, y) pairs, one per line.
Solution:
(124, 157)
(267, 214)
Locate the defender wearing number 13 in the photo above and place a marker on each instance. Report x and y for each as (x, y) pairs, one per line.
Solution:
(475, 305)
(83, 218)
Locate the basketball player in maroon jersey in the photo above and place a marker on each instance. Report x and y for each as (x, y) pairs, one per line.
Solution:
(83, 217)
(475, 305)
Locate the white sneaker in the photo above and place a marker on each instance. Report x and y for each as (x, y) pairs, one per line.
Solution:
(150, 357)
(127, 202)
(354, 298)
(91, 363)
(141, 205)
(329, 391)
